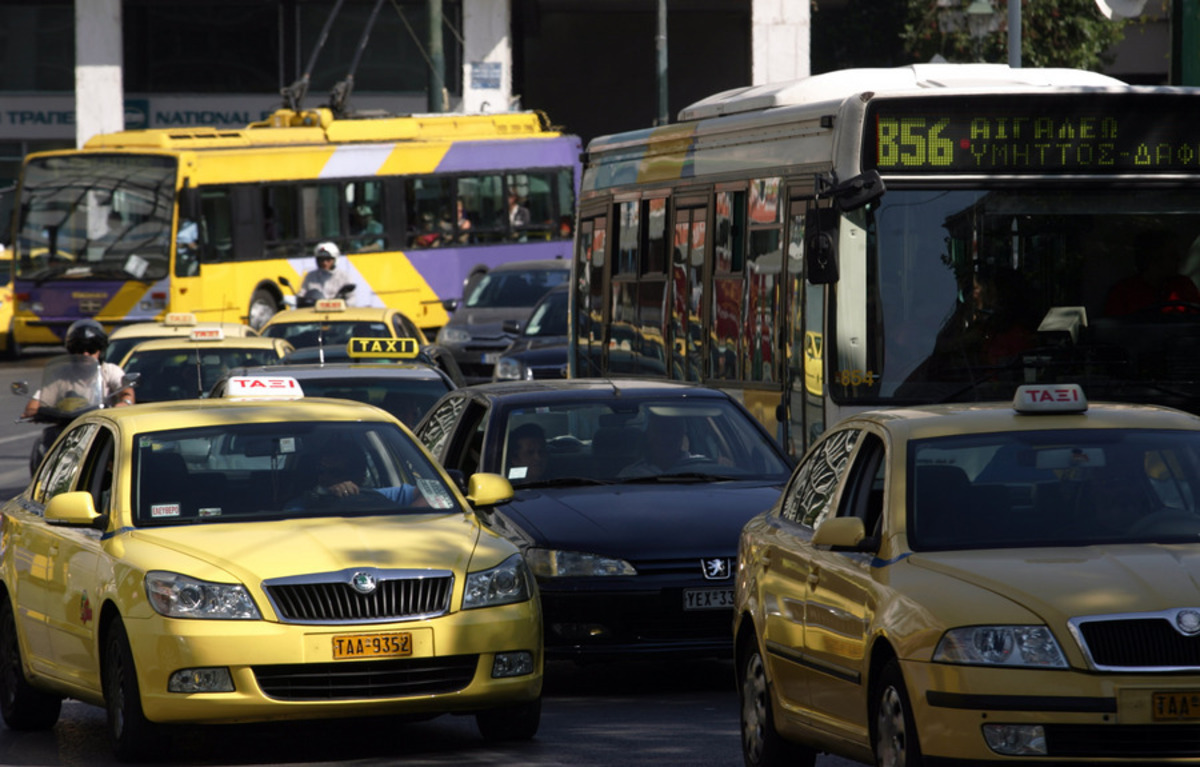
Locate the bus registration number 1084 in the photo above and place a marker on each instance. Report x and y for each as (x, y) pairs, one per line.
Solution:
(391, 645)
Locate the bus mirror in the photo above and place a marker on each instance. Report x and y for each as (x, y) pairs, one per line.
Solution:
(820, 262)
(861, 190)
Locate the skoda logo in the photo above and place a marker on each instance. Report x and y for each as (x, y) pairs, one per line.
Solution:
(1188, 621)
(716, 569)
(363, 583)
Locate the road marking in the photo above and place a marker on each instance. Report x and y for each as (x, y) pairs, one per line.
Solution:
(17, 438)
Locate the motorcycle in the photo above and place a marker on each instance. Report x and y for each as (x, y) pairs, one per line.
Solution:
(310, 297)
(71, 386)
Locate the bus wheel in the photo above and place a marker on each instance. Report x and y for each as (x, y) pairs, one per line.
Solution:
(262, 308)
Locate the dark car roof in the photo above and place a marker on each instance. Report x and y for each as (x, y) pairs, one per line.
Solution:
(575, 388)
(345, 370)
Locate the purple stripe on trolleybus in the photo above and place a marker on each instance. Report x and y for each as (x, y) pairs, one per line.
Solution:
(512, 153)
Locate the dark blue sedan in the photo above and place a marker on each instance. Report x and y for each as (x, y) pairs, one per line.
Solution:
(630, 497)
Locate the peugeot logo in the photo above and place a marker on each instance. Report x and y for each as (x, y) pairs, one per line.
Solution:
(363, 583)
(716, 568)
(1188, 622)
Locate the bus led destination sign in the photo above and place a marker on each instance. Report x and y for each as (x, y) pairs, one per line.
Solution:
(1072, 133)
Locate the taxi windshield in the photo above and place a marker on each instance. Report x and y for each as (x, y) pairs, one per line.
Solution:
(171, 374)
(271, 471)
(325, 332)
(1053, 488)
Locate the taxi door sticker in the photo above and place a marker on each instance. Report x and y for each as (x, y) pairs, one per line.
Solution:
(160, 510)
(85, 609)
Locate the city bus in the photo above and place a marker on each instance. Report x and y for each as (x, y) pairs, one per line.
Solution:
(876, 237)
(140, 223)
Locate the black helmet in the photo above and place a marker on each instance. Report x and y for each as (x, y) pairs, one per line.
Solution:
(86, 336)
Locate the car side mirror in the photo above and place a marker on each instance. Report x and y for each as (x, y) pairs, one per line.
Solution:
(450, 304)
(73, 509)
(842, 533)
(484, 489)
(511, 326)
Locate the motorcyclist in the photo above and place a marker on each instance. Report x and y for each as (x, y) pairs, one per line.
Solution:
(324, 281)
(87, 341)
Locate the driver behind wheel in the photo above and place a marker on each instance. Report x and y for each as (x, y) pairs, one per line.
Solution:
(341, 472)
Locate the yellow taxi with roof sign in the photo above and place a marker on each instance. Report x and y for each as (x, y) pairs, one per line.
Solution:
(271, 558)
(173, 325)
(331, 323)
(186, 367)
(979, 583)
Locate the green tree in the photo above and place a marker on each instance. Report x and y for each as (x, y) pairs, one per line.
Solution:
(1054, 33)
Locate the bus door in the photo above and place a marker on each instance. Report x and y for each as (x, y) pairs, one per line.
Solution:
(590, 296)
(804, 337)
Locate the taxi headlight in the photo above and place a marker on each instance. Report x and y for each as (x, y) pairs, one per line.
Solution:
(1019, 646)
(551, 563)
(178, 596)
(506, 583)
(449, 335)
(509, 369)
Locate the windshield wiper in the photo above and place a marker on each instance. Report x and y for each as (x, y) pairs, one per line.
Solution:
(683, 476)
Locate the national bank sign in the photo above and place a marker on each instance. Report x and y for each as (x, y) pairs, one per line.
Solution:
(37, 117)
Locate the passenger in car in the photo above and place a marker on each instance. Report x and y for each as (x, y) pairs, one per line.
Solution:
(527, 455)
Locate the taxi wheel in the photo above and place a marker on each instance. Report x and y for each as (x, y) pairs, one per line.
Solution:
(22, 706)
(262, 308)
(134, 738)
(517, 722)
(762, 745)
(895, 732)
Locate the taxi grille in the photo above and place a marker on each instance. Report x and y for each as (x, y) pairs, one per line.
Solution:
(1139, 643)
(336, 601)
(367, 679)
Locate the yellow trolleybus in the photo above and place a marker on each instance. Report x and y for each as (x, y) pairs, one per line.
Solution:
(872, 237)
(141, 223)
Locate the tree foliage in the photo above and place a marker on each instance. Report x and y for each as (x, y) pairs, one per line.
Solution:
(1054, 33)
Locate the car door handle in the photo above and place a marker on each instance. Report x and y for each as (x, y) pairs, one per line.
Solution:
(814, 577)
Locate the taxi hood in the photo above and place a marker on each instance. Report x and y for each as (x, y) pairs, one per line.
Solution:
(1062, 583)
(256, 551)
(640, 521)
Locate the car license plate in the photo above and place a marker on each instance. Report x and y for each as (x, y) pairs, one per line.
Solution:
(1176, 706)
(491, 358)
(391, 645)
(707, 599)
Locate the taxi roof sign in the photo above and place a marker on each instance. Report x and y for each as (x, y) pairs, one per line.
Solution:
(177, 319)
(1050, 398)
(264, 387)
(208, 334)
(383, 348)
(330, 305)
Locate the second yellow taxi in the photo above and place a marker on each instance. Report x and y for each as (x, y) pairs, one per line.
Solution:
(244, 560)
(979, 584)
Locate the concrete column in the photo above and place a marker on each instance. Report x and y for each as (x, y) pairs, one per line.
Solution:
(487, 56)
(780, 40)
(99, 97)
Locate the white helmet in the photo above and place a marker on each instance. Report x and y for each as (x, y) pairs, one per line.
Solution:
(328, 249)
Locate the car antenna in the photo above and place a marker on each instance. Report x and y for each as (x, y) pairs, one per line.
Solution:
(339, 97)
(293, 95)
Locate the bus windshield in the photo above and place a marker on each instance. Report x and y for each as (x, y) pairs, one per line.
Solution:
(974, 291)
(95, 217)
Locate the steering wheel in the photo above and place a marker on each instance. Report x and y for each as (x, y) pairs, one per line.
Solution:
(1166, 521)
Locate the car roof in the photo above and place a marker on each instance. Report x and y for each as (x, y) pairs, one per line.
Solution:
(344, 370)
(598, 388)
(553, 264)
(909, 423)
(349, 314)
(162, 329)
(183, 342)
(182, 414)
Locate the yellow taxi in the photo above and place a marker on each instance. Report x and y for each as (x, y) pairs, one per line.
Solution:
(331, 323)
(8, 344)
(979, 583)
(259, 558)
(185, 367)
(173, 325)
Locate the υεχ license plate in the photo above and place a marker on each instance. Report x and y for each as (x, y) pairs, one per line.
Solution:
(390, 645)
(707, 599)
(1176, 706)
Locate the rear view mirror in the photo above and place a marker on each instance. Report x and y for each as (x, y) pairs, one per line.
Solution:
(820, 247)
